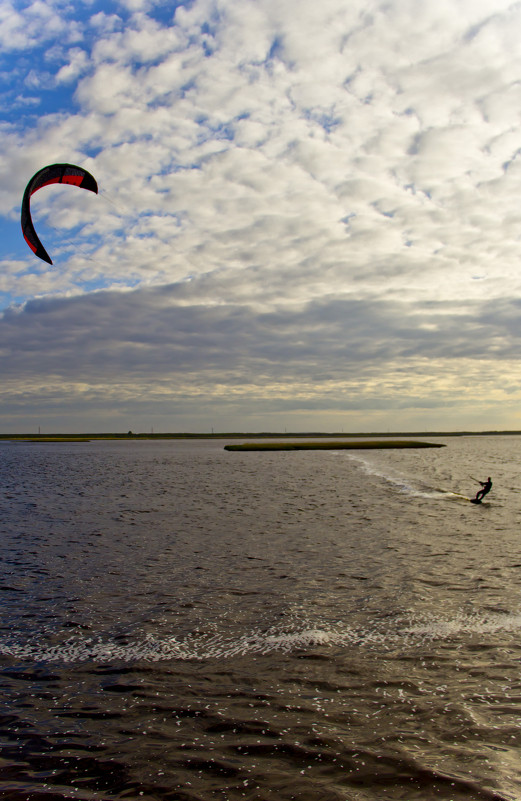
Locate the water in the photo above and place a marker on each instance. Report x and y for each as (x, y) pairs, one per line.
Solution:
(180, 622)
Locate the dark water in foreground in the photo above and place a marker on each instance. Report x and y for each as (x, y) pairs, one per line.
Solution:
(179, 622)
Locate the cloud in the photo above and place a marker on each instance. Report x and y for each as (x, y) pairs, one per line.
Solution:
(158, 352)
(170, 332)
(78, 63)
(285, 190)
(23, 26)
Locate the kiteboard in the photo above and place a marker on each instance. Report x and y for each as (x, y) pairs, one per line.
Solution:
(465, 498)
(461, 497)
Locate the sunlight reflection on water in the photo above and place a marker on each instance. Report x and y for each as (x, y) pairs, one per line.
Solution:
(181, 622)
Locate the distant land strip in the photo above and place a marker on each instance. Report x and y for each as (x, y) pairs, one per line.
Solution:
(55, 439)
(331, 446)
(130, 435)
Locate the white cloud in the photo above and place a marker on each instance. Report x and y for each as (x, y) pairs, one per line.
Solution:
(280, 155)
(214, 115)
(23, 26)
(78, 64)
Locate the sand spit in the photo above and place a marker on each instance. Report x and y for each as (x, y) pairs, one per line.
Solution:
(331, 446)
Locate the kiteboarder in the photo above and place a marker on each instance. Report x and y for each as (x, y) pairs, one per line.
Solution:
(486, 486)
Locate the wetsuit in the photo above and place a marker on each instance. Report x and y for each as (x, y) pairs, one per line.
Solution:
(486, 487)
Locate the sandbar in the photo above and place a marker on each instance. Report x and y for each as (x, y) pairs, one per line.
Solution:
(332, 446)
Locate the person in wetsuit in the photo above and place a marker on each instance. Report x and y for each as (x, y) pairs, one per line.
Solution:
(486, 486)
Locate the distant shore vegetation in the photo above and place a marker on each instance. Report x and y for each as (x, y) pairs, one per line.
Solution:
(337, 436)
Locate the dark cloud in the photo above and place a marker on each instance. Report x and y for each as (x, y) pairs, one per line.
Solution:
(153, 332)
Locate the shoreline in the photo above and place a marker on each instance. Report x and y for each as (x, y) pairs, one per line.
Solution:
(83, 437)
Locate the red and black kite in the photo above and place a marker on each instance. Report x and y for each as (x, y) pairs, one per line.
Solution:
(53, 174)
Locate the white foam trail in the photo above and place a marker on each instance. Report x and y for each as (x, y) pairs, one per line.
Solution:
(465, 624)
(402, 634)
(404, 484)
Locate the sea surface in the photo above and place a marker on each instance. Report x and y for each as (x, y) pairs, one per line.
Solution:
(181, 622)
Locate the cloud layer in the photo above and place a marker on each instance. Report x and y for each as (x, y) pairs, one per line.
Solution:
(308, 212)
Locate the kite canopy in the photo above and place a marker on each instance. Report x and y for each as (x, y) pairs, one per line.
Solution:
(53, 174)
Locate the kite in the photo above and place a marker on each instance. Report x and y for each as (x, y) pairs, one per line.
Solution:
(53, 174)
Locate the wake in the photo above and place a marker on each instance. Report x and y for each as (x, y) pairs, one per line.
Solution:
(407, 632)
(407, 486)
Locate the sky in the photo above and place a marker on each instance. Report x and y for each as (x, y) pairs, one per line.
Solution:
(308, 215)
